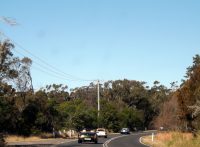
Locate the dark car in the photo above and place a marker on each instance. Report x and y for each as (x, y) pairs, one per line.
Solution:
(87, 137)
(125, 131)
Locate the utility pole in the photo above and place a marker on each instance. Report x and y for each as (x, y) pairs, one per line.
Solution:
(98, 99)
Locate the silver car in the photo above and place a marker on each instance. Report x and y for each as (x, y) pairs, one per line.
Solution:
(125, 131)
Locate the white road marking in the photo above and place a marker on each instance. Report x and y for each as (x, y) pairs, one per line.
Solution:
(108, 141)
(142, 142)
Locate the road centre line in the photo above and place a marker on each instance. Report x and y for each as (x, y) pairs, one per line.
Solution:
(108, 141)
(114, 138)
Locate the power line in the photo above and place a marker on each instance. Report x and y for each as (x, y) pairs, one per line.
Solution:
(51, 73)
(56, 70)
(46, 72)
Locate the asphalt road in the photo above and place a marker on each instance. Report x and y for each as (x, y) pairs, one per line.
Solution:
(127, 141)
(131, 140)
(114, 140)
(101, 141)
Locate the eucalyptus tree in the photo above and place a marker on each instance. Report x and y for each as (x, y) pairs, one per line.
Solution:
(8, 110)
(6, 61)
(23, 82)
(189, 96)
(57, 92)
(87, 94)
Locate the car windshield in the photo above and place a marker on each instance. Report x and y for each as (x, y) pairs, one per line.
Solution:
(88, 133)
(100, 129)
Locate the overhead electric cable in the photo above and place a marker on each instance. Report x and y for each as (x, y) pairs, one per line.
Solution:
(52, 72)
(58, 71)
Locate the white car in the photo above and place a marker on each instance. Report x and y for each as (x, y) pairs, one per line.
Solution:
(101, 132)
(125, 131)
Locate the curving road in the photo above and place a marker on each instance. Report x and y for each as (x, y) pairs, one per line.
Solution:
(101, 141)
(112, 141)
(126, 141)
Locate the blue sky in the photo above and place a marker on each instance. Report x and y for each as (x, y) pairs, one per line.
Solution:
(105, 39)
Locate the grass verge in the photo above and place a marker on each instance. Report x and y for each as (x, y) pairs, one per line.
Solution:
(172, 139)
(15, 138)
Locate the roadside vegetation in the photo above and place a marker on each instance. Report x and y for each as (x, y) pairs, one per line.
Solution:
(173, 139)
(124, 103)
(15, 138)
(181, 113)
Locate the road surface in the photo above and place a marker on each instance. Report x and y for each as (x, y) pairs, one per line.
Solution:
(127, 141)
(131, 140)
(114, 140)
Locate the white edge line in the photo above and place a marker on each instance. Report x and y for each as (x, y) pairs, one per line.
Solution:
(108, 141)
(140, 140)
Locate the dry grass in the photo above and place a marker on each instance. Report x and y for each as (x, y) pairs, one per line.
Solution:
(148, 140)
(14, 138)
(173, 139)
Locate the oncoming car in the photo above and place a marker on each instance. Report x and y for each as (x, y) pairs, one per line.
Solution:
(87, 137)
(101, 132)
(125, 131)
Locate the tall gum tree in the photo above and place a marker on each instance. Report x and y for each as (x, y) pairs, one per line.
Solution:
(189, 95)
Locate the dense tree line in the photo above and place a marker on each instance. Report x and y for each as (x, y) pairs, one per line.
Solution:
(188, 97)
(181, 111)
(124, 103)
